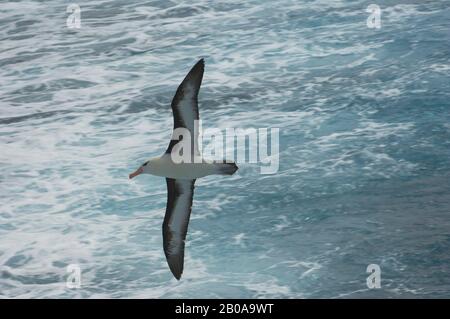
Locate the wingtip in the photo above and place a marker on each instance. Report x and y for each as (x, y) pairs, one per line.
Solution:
(177, 275)
(176, 267)
(201, 62)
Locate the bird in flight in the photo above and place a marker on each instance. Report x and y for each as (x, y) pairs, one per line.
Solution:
(181, 171)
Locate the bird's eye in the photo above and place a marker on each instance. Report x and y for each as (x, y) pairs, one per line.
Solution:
(145, 164)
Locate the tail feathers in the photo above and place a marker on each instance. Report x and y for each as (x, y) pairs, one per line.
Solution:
(226, 168)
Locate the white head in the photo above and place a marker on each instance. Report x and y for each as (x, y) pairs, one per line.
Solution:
(143, 169)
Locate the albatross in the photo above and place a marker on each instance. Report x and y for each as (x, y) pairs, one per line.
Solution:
(181, 175)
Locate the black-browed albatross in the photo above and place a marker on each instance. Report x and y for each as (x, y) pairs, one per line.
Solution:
(180, 177)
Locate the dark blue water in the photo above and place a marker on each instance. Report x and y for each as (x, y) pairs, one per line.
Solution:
(364, 118)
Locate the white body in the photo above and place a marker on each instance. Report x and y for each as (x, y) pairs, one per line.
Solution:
(165, 167)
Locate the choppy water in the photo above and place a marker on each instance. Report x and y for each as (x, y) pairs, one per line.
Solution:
(364, 148)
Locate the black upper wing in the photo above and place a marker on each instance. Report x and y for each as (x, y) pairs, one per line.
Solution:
(185, 103)
(180, 193)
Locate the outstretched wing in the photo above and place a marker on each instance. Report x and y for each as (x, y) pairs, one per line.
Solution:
(185, 103)
(179, 202)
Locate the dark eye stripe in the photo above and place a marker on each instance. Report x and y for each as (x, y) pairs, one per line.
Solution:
(145, 164)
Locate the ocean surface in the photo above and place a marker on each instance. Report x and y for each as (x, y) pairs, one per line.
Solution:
(364, 148)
